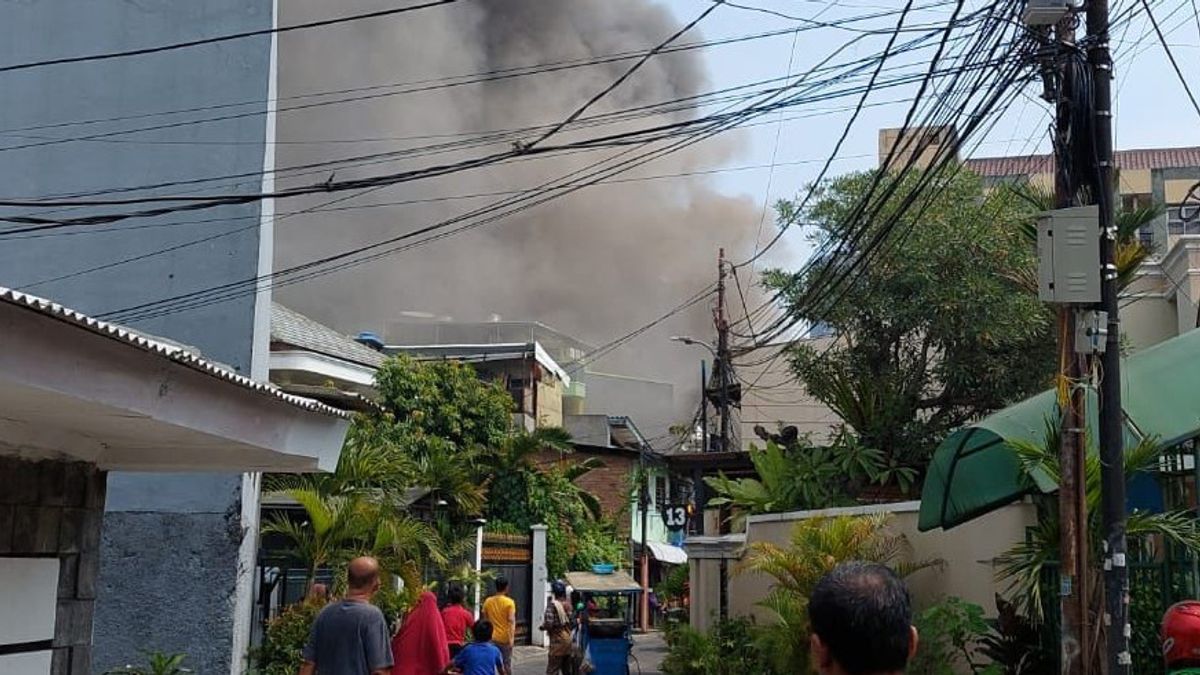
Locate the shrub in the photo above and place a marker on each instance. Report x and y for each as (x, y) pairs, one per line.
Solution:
(728, 649)
(157, 663)
(281, 652)
(950, 632)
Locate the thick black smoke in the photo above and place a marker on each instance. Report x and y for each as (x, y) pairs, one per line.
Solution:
(596, 264)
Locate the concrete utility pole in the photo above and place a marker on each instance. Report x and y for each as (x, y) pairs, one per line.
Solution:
(1112, 450)
(644, 503)
(1072, 501)
(722, 363)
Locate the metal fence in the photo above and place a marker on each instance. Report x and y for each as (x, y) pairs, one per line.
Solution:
(1154, 585)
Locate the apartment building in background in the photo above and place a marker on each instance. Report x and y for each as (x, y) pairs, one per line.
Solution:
(1162, 303)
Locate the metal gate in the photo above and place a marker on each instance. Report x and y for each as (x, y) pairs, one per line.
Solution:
(511, 556)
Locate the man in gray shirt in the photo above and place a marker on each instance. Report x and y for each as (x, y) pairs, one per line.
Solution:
(350, 636)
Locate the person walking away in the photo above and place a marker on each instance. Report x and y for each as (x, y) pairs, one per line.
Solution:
(501, 611)
(1180, 633)
(481, 657)
(861, 617)
(457, 620)
(350, 637)
(419, 647)
(557, 625)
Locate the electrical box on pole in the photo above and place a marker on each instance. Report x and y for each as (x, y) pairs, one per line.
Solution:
(1044, 12)
(1068, 255)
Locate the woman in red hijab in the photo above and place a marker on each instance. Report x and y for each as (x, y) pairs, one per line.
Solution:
(419, 647)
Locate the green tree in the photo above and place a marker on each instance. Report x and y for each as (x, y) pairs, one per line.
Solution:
(435, 404)
(931, 335)
(525, 493)
(359, 508)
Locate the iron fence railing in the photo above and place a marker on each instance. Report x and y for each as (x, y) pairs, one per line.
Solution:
(1154, 585)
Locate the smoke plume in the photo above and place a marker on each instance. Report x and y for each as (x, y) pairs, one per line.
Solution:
(596, 264)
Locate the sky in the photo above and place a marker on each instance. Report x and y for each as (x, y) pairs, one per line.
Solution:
(1152, 108)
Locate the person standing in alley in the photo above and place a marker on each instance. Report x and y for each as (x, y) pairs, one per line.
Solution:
(480, 657)
(501, 611)
(457, 620)
(861, 618)
(419, 647)
(350, 637)
(557, 625)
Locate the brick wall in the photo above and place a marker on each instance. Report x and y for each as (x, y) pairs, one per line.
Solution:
(54, 509)
(610, 483)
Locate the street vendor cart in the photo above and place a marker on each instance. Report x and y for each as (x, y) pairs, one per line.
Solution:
(609, 602)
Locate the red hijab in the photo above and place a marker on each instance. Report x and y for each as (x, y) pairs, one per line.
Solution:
(419, 647)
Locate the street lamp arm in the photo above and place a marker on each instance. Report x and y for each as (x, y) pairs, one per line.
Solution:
(687, 340)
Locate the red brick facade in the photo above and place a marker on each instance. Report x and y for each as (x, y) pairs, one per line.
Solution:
(610, 483)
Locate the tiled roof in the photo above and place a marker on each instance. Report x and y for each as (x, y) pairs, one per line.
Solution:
(295, 329)
(162, 348)
(1132, 160)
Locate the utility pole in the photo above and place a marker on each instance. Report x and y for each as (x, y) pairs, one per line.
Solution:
(1072, 502)
(1112, 451)
(722, 364)
(644, 503)
(699, 489)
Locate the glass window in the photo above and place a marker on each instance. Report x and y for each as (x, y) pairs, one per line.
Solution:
(1176, 223)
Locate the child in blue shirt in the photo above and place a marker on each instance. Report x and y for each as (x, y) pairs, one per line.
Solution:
(480, 657)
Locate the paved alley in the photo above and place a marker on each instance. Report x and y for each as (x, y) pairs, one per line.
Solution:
(648, 653)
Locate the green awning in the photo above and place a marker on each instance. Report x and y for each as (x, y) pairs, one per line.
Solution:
(974, 471)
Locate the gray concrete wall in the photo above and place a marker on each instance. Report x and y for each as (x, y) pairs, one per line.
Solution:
(53, 509)
(651, 404)
(170, 547)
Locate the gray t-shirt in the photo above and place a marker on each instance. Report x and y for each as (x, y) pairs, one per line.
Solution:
(349, 638)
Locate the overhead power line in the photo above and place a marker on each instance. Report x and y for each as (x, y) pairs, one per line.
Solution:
(222, 38)
(373, 92)
(624, 76)
(1171, 56)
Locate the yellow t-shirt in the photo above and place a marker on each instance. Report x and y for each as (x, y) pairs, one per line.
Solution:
(497, 609)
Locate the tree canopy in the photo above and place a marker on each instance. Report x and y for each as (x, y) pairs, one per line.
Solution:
(931, 334)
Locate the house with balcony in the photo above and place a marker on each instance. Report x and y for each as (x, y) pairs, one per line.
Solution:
(536, 382)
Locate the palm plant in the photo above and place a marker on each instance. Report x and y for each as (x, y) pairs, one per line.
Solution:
(816, 546)
(1023, 565)
(367, 464)
(359, 508)
(332, 528)
(517, 450)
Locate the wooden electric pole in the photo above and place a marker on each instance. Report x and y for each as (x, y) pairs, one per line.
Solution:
(1072, 500)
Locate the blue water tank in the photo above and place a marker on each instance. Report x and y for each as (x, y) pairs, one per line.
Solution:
(371, 340)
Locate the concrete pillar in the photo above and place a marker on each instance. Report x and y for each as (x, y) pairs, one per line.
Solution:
(540, 581)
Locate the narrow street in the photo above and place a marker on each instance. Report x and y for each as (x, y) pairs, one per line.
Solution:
(648, 653)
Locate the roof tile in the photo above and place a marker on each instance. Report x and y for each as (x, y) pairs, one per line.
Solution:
(162, 348)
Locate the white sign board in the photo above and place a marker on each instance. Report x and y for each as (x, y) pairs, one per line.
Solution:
(29, 587)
